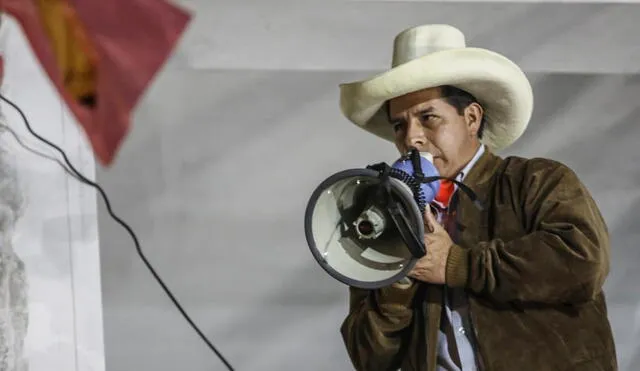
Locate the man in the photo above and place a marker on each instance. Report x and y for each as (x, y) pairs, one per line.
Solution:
(514, 286)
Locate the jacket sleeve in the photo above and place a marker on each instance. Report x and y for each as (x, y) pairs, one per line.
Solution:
(564, 258)
(375, 330)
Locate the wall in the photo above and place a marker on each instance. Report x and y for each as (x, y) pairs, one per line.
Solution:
(57, 236)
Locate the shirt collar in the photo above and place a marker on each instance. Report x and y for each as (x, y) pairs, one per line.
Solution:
(463, 173)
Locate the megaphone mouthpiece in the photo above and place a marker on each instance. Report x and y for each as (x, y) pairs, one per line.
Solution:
(419, 166)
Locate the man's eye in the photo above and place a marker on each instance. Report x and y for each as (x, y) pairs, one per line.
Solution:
(427, 117)
(397, 125)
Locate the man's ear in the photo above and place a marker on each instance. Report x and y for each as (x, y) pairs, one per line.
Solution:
(473, 117)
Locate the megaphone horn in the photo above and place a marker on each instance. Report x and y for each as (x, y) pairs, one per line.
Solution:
(365, 226)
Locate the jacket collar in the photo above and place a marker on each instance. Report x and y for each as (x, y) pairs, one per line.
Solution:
(463, 173)
(480, 175)
(479, 180)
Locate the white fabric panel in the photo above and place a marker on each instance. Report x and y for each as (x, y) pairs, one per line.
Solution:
(347, 35)
(55, 296)
(215, 177)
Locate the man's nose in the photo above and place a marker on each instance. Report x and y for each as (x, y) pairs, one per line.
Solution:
(415, 135)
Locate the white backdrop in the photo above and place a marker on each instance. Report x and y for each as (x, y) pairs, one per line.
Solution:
(57, 235)
(243, 124)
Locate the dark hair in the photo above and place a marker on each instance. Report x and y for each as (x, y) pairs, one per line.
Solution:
(460, 99)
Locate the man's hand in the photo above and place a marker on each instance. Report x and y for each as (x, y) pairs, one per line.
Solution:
(432, 267)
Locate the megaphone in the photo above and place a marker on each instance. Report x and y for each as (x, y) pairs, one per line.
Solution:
(365, 226)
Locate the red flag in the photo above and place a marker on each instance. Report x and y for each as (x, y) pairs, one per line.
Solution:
(101, 55)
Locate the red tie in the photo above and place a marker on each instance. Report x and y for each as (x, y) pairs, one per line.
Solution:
(446, 191)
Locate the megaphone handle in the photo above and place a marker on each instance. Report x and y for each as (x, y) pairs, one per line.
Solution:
(415, 245)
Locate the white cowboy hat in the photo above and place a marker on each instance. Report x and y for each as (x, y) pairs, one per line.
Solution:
(434, 55)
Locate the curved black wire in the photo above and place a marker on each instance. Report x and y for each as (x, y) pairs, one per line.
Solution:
(36, 152)
(83, 179)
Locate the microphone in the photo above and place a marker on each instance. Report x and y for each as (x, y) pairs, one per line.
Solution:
(418, 165)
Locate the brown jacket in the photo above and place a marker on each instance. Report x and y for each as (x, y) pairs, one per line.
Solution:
(533, 263)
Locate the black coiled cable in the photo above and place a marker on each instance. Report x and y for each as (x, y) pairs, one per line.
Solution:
(413, 184)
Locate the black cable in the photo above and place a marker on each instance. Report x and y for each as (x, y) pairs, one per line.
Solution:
(38, 153)
(76, 174)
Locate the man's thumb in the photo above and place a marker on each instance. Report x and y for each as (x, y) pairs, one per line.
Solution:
(430, 219)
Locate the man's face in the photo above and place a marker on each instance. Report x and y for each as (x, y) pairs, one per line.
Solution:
(427, 122)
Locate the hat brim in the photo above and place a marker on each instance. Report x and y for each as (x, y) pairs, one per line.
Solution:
(498, 84)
